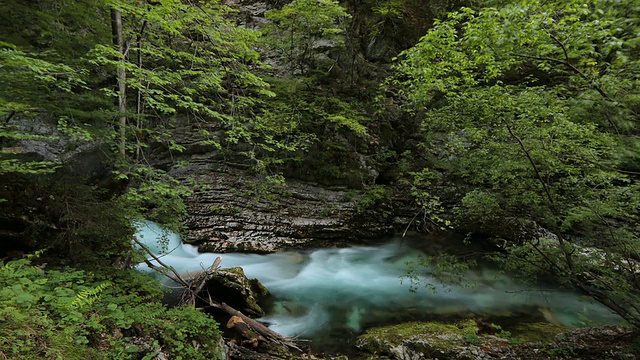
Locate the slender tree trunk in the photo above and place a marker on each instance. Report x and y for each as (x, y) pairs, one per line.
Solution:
(121, 77)
(139, 105)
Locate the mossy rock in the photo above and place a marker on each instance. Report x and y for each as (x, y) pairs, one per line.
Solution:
(234, 288)
(423, 340)
(539, 332)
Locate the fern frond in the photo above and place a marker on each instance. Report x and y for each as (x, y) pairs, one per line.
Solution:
(89, 296)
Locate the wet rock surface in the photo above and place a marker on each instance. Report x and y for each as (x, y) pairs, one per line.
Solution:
(231, 211)
(234, 288)
(432, 340)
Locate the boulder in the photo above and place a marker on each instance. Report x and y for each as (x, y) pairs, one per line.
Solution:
(431, 340)
(238, 212)
(231, 286)
(603, 342)
(466, 341)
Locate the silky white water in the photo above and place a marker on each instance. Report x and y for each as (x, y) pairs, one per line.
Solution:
(342, 291)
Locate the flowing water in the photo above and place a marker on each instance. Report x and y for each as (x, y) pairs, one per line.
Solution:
(331, 295)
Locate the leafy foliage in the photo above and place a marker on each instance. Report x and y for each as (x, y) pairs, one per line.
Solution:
(301, 29)
(71, 314)
(316, 129)
(532, 109)
(22, 71)
(185, 58)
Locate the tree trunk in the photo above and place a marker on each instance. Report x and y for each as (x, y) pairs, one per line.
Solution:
(121, 77)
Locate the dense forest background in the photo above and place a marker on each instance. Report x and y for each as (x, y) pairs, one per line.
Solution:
(514, 122)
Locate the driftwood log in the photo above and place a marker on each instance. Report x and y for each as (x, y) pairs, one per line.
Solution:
(249, 337)
(192, 291)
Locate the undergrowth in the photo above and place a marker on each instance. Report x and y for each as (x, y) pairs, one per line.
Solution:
(74, 314)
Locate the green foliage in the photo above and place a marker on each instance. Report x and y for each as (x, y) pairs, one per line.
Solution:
(530, 109)
(89, 296)
(374, 197)
(185, 59)
(308, 118)
(154, 195)
(71, 314)
(388, 16)
(505, 334)
(22, 75)
(560, 352)
(430, 206)
(472, 339)
(304, 29)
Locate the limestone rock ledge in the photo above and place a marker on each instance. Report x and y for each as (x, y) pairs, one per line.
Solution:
(231, 211)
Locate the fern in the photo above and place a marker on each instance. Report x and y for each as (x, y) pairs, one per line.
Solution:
(88, 296)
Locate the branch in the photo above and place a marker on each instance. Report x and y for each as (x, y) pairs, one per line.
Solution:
(545, 257)
(533, 164)
(567, 254)
(410, 222)
(174, 276)
(204, 278)
(9, 116)
(564, 48)
(566, 62)
(188, 287)
(572, 68)
(255, 325)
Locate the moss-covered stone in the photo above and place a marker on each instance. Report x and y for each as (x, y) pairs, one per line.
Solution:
(539, 332)
(422, 340)
(233, 287)
(465, 340)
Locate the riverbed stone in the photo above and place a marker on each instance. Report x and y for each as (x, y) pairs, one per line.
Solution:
(537, 332)
(604, 342)
(430, 340)
(234, 288)
(531, 341)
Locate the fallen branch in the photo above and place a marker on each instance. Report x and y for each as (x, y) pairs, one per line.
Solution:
(194, 287)
(256, 325)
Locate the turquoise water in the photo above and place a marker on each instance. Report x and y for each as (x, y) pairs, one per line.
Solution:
(332, 294)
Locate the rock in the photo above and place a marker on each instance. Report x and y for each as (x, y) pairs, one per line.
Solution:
(232, 287)
(236, 212)
(427, 340)
(604, 342)
(538, 332)
(533, 341)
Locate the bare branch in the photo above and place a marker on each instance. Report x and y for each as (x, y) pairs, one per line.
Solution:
(174, 276)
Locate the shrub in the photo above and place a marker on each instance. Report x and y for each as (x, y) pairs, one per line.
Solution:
(74, 314)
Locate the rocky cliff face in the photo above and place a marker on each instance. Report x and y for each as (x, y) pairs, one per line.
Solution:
(233, 211)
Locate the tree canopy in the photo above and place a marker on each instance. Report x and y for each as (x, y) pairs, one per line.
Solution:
(531, 108)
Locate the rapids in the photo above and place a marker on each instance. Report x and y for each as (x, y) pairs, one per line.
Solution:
(327, 293)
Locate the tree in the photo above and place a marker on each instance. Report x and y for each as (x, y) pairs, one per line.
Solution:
(532, 111)
(180, 61)
(182, 58)
(24, 75)
(303, 28)
(121, 77)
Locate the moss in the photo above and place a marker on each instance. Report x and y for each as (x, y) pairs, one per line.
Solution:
(539, 332)
(437, 336)
(241, 290)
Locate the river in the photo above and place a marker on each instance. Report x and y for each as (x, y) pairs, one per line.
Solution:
(331, 295)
